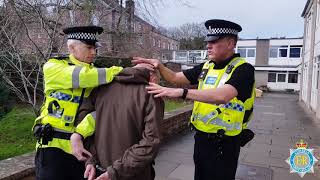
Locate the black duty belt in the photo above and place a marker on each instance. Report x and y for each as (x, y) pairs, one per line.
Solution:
(62, 135)
(214, 135)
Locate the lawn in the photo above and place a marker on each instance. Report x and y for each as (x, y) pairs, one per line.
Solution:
(15, 130)
(171, 105)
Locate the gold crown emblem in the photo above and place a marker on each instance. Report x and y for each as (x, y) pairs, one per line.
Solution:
(301, 144)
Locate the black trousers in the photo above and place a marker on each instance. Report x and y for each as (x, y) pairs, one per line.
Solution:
(55, 164)
(215, 159)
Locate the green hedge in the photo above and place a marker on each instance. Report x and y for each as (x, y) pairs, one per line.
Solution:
(113, 61)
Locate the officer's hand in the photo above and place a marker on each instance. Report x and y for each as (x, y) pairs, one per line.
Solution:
(104, 176)
(150, 67)
(138, 60)
(90, 172)
(160, 91)
(77, 148)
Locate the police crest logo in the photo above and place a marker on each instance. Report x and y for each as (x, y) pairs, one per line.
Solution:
(301, 160)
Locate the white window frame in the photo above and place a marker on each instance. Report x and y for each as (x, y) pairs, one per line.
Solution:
(282, 73)
(278, 51)
(295, 74)
(255, 52)
(294, 47)
(246, 48)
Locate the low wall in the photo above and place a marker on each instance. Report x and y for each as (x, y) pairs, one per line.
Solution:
(22, 167)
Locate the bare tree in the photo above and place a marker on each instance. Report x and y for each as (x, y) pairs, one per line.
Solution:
(30, 33)
(187, 31)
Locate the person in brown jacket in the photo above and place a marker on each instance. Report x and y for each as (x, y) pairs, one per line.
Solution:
(127, 128)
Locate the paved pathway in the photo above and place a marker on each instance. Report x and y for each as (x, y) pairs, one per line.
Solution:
(279, 122)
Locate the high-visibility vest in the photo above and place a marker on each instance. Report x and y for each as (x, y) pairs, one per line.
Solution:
(212, 117)
(66, 82)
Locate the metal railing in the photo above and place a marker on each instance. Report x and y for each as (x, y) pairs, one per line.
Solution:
(184, 56)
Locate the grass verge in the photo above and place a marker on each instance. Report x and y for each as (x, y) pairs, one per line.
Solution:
(15, 132)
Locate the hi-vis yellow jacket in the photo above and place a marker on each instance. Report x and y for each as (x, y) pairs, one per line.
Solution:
(212, 117)
(66, 82)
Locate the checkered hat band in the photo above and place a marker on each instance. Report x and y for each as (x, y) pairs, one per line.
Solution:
(214, 31)
(82, 36)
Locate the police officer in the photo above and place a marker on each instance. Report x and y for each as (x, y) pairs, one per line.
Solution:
(67, 80)
(223, 101)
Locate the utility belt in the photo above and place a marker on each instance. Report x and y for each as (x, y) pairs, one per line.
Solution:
(244, 137)
(219, 135)
(45, 133)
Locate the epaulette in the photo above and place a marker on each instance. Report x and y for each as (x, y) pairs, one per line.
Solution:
(59, 57)
(66, 58)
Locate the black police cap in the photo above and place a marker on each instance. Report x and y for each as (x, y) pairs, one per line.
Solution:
(219, 28)
(86, 34)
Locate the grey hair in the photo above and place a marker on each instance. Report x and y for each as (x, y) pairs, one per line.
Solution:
(71, 42)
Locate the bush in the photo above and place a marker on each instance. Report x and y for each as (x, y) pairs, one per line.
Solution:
(112, 61)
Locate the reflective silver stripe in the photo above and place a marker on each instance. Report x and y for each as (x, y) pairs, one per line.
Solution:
(94, 115)
(208, 117)
(225, 74)
(220, 122)
(102, 76)
(76, 77)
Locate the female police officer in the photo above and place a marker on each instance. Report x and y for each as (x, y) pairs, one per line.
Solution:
(223, 101)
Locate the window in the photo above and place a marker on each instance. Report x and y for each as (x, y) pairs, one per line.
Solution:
(140, 27)
(295, 51)
(242, 52)
(278, 51)
(251, 53)
(163, 45)
(140, 39)
(281, 77)
(95, 19)
(283, 52)
(272, 77)
(159, 43)
(154, 42)
(293, 77)
(274, 52)
(247, 51)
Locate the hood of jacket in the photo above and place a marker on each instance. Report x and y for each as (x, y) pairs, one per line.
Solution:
(132, 75)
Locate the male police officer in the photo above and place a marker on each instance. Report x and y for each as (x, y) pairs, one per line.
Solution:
(67, 81)
(223, 101)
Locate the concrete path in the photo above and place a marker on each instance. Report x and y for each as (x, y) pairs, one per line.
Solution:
(279, 122)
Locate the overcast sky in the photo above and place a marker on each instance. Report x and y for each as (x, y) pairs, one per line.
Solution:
(258, 18)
